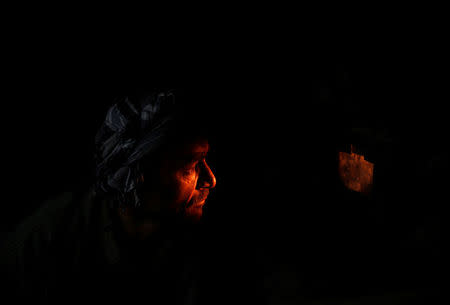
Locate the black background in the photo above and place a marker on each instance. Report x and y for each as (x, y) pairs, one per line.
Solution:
(283, 106)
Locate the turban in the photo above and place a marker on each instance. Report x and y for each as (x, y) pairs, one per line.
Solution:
(132, 128)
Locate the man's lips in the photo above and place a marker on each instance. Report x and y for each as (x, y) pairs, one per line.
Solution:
(203, 196)
(199, 200)
(199, 204)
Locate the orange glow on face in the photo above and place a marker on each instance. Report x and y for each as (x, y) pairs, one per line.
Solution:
(355, 172)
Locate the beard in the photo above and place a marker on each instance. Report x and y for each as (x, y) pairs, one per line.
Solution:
(193, 210)
(190, 211)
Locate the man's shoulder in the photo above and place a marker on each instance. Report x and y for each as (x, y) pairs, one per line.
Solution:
(55, 219)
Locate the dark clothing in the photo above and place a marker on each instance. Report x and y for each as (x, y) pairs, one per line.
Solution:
(71, 251)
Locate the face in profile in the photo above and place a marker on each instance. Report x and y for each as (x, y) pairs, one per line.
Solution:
(185, 180)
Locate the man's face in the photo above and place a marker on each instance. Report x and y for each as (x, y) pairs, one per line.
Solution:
(185, 180)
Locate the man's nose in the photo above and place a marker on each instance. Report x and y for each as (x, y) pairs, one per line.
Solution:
(208, 180)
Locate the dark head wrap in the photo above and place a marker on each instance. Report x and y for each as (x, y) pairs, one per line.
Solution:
(132, 128)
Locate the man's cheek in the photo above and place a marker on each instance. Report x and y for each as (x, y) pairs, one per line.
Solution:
(186, 187)
(187, 176)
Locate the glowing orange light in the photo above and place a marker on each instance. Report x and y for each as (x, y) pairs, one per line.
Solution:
(355, 172)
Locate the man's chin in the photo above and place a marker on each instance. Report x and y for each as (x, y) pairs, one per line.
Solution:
(194, 214)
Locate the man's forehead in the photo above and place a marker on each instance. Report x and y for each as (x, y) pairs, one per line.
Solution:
(198, 147)
(195, 148)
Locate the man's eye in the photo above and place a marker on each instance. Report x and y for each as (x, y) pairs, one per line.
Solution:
(192, 165)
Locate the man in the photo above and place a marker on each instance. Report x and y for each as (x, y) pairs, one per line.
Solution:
(131, 237)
